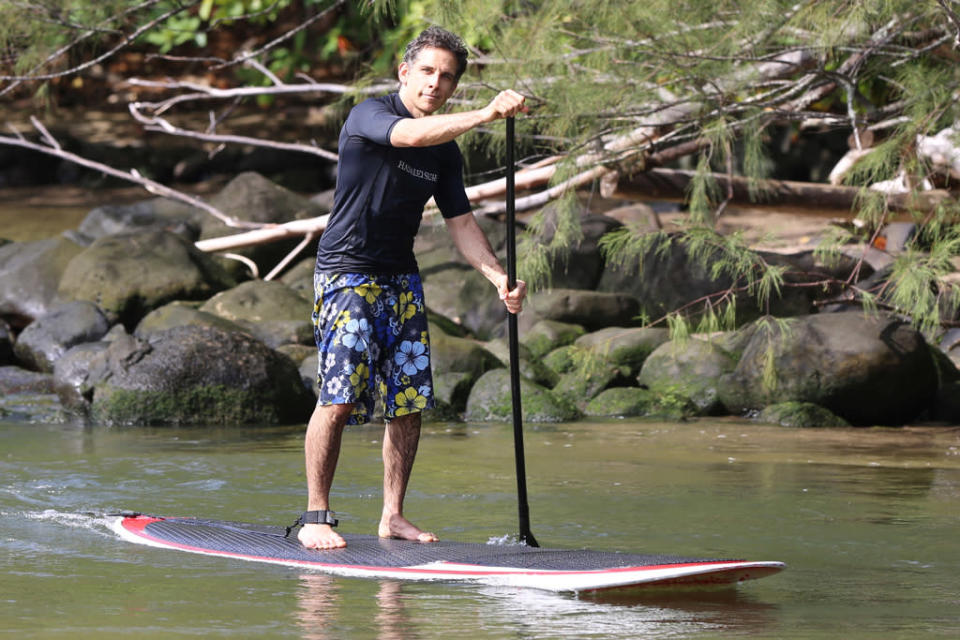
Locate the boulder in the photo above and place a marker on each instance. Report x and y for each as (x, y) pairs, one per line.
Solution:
(689, 368)
(16, 380)
(579, 386)
(490, 401)
(622, 402)
(455, 289)
(128, 275)
(253, 198)
(50, 336)
(562, 359)
(530, 367)
(271, 310)
(30, 275)
(178, 314)
(581, 265)
(457, 363)
(800, 414)
(547, 335)
(299, 277)
(867, 369)
(629, 346)
(666, 278)
(33, 408)
(590, 309)
(194, 375)
(155, 214)
(6, 344)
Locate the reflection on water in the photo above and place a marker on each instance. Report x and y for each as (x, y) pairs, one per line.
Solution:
(627, 614)
(865, 520)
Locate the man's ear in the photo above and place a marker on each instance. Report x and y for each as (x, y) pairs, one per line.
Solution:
(402, 72)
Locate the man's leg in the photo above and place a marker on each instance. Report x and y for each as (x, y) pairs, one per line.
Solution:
(401, 436)
(322, 449)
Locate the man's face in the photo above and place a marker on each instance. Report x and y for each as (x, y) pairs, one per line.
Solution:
(428, 81)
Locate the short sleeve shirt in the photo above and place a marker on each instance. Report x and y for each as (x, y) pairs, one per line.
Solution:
(382, 190)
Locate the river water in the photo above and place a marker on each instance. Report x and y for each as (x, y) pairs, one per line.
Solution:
(867, 521)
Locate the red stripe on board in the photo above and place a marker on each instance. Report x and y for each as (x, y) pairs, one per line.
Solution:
(139, 524)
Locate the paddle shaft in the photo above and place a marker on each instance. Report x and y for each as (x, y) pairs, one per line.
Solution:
(526, 536)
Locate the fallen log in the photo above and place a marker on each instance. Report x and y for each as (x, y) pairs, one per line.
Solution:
(673, 184)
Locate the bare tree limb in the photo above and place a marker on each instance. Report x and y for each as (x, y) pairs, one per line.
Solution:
(132, 176)
(164, 126)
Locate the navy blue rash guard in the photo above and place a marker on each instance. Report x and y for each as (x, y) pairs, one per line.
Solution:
(381, 191)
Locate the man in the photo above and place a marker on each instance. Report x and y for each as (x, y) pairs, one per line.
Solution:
(371, 328)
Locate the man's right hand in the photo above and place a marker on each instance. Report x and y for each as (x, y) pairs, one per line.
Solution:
(505, 105)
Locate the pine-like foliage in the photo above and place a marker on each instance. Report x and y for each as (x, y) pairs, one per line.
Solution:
(708, 80)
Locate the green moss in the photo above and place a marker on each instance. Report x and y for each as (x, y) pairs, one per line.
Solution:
(801, 414)
(196, 405)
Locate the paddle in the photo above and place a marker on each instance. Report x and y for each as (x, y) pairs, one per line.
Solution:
(526, 536)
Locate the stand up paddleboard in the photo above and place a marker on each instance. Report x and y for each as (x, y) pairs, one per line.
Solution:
(369, 556)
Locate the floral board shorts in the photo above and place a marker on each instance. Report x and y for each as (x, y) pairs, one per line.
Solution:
(371, 334)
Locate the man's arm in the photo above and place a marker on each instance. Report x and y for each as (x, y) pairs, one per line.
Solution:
(438, 129)
(472, 243)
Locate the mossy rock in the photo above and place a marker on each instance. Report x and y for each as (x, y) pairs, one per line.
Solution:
(547, 335)
(800, 414)
(623, 402)
(561, 360)
(579, 386)
(491, 401)
(624, 345)
(129, 275)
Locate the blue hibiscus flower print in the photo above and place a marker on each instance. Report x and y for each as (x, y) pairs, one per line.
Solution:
(356, 334)
(411, 357)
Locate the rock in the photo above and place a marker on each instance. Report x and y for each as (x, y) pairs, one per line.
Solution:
(582, 264)
(621, 402)
(309, 373)
(155, 214)
(691, 369)
(580, 386)
(455, 289)
(270, 310)
(178, 314)
(531, 367)
(300, 278)
(637, 215)
(50, 336)
(199, 375)
(800, 414)
(622, 345)
(76, 373)
(561, 360)
(591, 309)
(253, 198)
(666, 278)
(457, 363)
(17, 380)
(128, 275)
(867, 369)
(30, 274)
(547, 335)
(32, 408)
(6, 344)
(490, 401)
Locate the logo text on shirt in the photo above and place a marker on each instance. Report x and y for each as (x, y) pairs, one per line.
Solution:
(417, 173)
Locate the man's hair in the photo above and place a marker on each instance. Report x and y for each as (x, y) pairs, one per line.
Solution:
(437, 38)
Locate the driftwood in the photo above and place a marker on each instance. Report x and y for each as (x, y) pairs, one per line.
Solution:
(673, 184)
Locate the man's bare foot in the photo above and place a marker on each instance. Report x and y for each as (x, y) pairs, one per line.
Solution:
(398, 527)
(320, 536)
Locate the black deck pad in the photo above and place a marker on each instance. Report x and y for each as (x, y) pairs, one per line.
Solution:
(268, 542)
